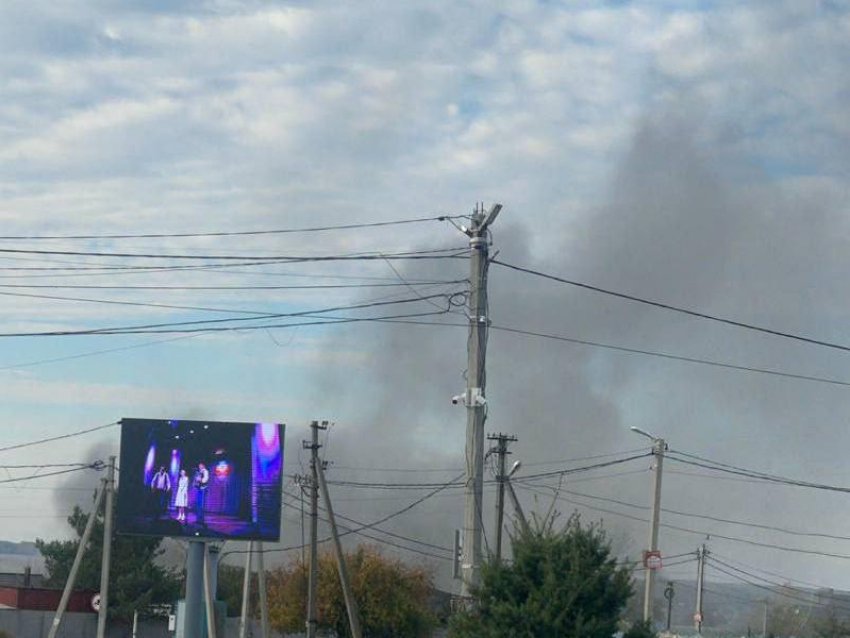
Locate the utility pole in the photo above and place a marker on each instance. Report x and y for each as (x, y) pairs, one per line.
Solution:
(75, 567)
(764, 620)
(658, 448)
(107, 549)
(701, 554)
(517, 507)
(350, 603)
(501, 451)
(313, 579)
(474, 399)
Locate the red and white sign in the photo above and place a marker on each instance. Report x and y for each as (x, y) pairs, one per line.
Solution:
(697, 617)
(652, 559)
(95, 602)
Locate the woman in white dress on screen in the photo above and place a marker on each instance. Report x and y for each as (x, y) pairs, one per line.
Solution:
(181, 499)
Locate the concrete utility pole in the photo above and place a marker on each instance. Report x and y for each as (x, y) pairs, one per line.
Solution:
(517, 507)
(698, 618)
(313, 579)
(107, 550)
(474, 398)
(501, 451)
(75, 567)
(658, 449)
(246, 594)
(350, 603)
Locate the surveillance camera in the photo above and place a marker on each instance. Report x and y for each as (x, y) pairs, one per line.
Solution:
(458, 398)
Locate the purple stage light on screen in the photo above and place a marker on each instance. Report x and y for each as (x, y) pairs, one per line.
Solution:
(174, 468)
(149, 462)
(267, 440)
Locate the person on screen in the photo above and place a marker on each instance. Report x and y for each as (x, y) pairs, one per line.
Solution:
(181, 499)
(202, 481)
(161, 488)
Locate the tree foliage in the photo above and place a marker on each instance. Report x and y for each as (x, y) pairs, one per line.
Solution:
(392, 597)
(230, 583)
(136, 581)
(561, 582)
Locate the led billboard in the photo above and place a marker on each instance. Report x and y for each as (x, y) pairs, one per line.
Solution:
(207, 479)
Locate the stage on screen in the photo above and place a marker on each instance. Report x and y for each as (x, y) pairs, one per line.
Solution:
(206, 479)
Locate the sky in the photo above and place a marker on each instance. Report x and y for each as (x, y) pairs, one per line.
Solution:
(695, 153)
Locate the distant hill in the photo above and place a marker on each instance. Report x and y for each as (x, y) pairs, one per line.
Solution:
(18, 549)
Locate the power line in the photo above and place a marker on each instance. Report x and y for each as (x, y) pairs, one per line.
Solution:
(458, 483)
(692, 313)
(651, 353)
(300, 500)
(249, 287)
(697, 532)
(715, 519)
(371, 525)
(243, 233)
(60, 437)
(775, 589)
(771, 478)
(764, 571)
(93, 466)
(203, 325)
(673, 357)
(457, 469)
(286, 259)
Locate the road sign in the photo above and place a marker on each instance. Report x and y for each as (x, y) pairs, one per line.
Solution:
(652, 559)
(95, 602)
(697, 617)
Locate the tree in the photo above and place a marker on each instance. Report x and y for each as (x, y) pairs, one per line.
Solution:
(230, 583)
(136, 581)
(393, 598)
(562, 582)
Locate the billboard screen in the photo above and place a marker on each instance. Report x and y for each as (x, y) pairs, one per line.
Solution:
(204, 479)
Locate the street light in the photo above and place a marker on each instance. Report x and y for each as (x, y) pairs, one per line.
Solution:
(658, 447)
(514, 468)
(637, 430)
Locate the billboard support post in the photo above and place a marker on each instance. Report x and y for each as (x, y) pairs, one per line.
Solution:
(246, 594)
(107, 549)
(193, 610)
(261, 583)
(72, 577)
(209, 606)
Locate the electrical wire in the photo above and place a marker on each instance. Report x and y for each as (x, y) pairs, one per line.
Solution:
(366, 526)
(60, 437)
(441, 548)
(697, 532)
(18, 479)
(286, 259)
(203, 325)
(674, 357)
(715, 519)
(649, 353)
(392, 284)
(243, 233)
(686, 311)
(771, 478)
